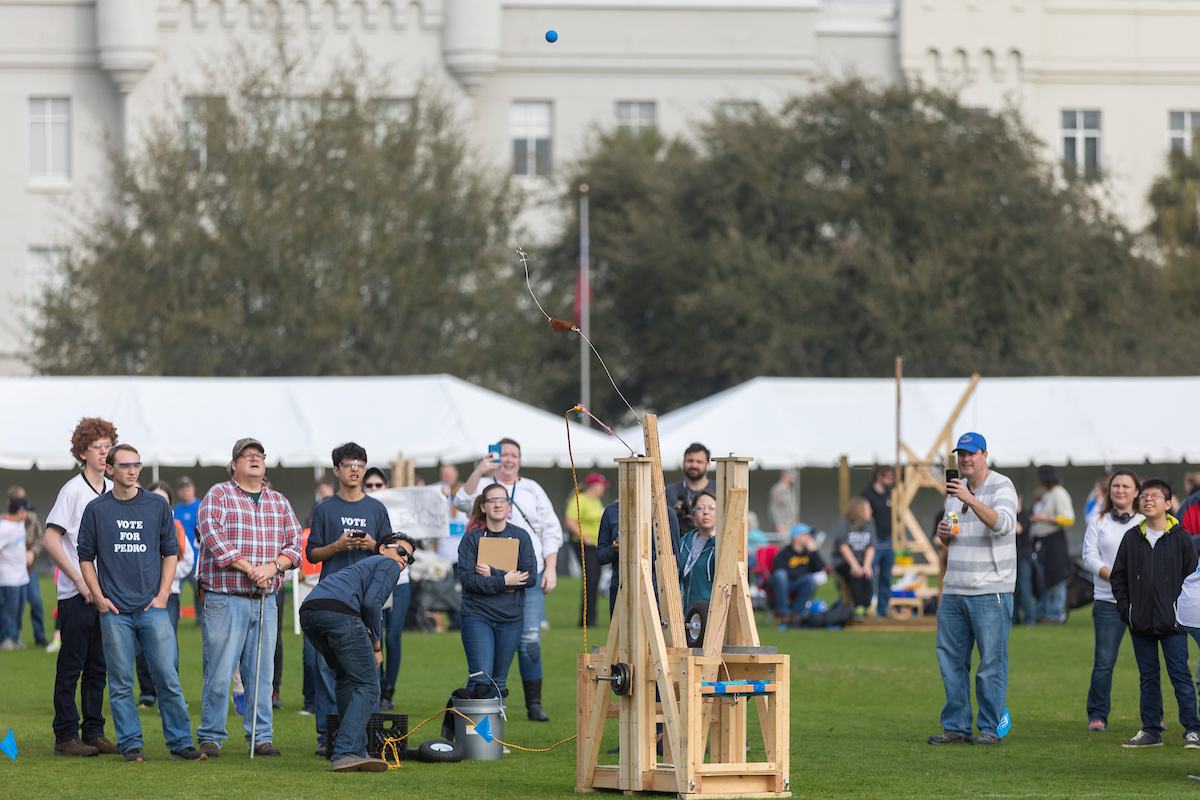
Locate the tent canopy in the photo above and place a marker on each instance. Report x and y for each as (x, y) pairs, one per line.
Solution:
(811, 422)
(181, 422)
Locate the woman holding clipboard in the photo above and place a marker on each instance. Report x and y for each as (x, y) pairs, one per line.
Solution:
(495, 565)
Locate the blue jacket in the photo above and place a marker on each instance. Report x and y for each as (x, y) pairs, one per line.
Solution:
(361, 588)
(697, 583)
(605, 553)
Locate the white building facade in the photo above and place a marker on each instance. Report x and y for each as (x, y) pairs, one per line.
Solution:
(1111, 84)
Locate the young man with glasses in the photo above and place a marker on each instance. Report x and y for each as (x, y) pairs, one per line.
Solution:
(344, 531)
(127, 553)
(1154, 559)
(343, 619)
(81, 659)
(247, 536)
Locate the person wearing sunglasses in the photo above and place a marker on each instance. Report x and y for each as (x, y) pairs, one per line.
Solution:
(345, 529)
(81, 659)
(343, 619)
(1154, 559)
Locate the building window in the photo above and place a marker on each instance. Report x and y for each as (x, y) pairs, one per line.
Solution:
(738, 110)
(43, 273)
(635, 117)
(50, 137)
(1182, 128)
(532, 133)
(1081, 141)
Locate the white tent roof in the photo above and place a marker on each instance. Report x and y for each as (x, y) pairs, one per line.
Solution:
(184, 421)
(811, 422)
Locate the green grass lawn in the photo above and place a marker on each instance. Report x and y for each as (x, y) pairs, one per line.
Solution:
(862, 707)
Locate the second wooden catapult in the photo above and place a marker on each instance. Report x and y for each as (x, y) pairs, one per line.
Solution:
(673, 702)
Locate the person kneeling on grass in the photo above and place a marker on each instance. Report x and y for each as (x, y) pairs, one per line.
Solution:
(1154, 559)
(127, 554)
(343, 619)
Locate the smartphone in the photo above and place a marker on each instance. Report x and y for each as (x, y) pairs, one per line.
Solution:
(951, 475)
(494, 452)
(357, 534)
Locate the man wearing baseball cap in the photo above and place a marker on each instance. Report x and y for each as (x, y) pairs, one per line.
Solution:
(977, 594)
(247, 536)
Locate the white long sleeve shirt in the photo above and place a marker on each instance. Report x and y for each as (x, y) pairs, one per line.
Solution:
(531, 509)
(1100, 544)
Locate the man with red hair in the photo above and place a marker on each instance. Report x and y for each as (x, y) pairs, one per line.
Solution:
(81, 659)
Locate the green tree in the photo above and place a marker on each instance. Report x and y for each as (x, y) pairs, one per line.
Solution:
(1175, 202)
(857, 223)
(294, 227)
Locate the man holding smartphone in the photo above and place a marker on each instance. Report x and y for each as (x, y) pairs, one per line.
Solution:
(977, 595)
(345, 529)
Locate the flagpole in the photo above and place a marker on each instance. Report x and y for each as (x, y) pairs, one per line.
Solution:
(585, 323)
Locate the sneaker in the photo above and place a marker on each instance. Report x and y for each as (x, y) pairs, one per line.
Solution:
(949, 737)
(1144, 739)
(986, 739)
(276, 702)
(1191, 740)
(210, 749)
(136, 756)
(188, 754)
(265, 749)
(19, 644)
(356, 764)
(6, 644)
(320, 751)
(1097, 725)
(75, 747)
(146, 702)
(239, 704)
(307, 711)
(54, 646)
(41, 643)
(105, 747)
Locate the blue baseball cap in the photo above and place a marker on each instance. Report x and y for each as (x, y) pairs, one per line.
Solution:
(971, 442)
(800, 528)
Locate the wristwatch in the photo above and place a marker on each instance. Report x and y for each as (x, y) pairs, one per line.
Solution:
(278, 569)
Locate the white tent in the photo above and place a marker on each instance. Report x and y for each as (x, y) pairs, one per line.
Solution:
(180, 422)
(811, 422)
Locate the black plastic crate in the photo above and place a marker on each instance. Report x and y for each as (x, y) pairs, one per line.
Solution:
(379, 728)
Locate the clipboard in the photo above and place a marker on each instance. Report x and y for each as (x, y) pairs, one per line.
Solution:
(499, 553)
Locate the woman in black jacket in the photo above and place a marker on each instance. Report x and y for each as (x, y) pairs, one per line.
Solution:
(493, 602)
(1152, 562)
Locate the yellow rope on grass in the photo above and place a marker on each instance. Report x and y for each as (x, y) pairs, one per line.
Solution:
(391, 742)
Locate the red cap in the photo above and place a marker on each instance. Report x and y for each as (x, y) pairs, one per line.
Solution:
(595, 477)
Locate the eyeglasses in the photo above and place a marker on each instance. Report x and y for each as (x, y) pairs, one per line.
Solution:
(252, 457)
(496, 501)
(353, 464)
(1151, 496)
(130, 465)
(705, 508)
(374, 485)
(100, 446)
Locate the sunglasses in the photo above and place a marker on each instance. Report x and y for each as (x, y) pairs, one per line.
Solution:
(374, 485)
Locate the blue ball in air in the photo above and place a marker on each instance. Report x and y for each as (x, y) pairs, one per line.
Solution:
(551, 36)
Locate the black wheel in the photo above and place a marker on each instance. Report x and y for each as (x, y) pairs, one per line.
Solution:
(440, 751)
(694, 622)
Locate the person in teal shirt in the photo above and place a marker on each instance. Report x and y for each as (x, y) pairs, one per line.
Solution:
(698, 551)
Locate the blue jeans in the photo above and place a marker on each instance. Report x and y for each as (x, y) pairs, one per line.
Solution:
(803, 586)
(10, 610)
(394, 624)
(1175, 654)
(345, 647)
(964, 622)
(152, 629)
(1053, 602)
(146, 684)
(490, 647)
(310, 675)
(1023, 595)
(37, 616)
(885, 559)
(1109, 633)
(529, 651)
(326, 702)
(231, 640)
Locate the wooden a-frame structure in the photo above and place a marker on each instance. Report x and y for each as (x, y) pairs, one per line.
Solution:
(646, 653)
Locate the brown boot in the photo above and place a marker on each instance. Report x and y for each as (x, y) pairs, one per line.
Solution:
(210, 749)
(74, 747)
(105, 747)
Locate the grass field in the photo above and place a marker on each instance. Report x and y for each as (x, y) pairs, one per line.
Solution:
(862, 707)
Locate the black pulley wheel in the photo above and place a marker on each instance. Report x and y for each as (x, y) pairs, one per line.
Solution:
(694, 622)
(622, 679)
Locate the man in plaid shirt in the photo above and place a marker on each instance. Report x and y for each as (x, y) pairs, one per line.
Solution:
(247, 536)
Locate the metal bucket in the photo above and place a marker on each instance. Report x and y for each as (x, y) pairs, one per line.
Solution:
(475, 747)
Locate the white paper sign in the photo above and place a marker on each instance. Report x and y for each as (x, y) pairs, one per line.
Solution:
(422, 512)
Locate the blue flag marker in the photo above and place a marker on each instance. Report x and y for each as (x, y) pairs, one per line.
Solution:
(9, 745)
(1005, 725)
(484, 729)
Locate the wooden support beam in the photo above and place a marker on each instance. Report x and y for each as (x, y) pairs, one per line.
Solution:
(843, 484)
(665, 565)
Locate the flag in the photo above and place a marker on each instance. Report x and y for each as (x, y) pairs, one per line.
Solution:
(483, 729)
(9, 745)
(578, 304)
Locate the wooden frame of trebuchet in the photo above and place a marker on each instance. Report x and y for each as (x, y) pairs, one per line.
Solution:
(646, 652)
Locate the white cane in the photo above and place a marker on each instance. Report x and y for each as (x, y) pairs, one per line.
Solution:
(257, 672)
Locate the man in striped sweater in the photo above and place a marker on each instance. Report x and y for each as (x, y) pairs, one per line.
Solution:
(977, 594)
